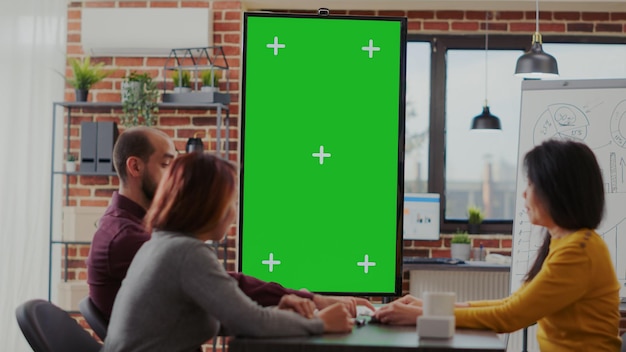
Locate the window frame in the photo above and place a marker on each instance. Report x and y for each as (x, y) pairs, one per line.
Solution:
(437, 135)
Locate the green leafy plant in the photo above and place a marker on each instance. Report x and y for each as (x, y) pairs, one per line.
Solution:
(475, 215)
(86, 74)
(183, 81)
(71, 157)
(139, 105)
(206, 78)
(461, 237)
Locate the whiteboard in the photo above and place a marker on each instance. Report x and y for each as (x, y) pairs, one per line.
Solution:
(589, 111)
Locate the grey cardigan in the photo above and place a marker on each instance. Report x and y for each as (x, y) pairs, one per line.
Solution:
(175, 295)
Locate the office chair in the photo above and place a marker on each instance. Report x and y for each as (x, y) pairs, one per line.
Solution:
(48, 328)
(94, 317)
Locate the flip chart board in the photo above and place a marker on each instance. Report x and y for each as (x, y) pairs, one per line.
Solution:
(589, 111)
(322, 152)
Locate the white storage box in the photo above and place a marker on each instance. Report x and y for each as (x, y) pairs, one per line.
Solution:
(80, 223)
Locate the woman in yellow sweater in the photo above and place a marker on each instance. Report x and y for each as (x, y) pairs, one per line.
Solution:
(571, 290)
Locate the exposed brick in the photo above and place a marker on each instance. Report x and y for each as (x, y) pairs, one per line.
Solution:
(414, 26)
(99, 3)
(204, 121)
(164, 4)
(449, 15)
(510, 15)
(476, 15)
(425, 15)
(416, 252)
(618, 16)
(361, 13)
(74, 26)
(94, 203)
(129, 61)
(440, 253)
(465, 26)
(226, 5)
(108, 193)
(522, 27)
(217, 15)
(595, 16)
(226, 26)
(74, 49)
(232, 15)
(392, 13)
(134, 4)
(174, 121)
(83, 251)
(567, 16)
(94, 180)
(580, 27)
(74, 14)
(506, 243)
(551, 27)
(605, 27)
(232, 38)
(477, 241)
(195, 4)
(498, 27)
(79, 192)
(436, 26)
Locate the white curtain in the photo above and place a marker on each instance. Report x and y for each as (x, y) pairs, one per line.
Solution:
(32, 54)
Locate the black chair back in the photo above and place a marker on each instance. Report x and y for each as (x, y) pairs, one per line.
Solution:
(48, 328)
(94, 317)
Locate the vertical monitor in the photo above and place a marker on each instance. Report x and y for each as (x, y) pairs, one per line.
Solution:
(322, 143)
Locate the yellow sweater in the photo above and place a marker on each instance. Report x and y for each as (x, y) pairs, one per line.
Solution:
(574, 299)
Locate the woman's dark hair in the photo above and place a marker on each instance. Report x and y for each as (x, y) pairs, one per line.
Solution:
(194, 195)
(567, 179)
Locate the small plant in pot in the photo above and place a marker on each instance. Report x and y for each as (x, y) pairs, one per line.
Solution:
(85, 76)
(70, 163)
(210, 81)
(474, 219)
(460, 245)
(139, 100)
(182, 81)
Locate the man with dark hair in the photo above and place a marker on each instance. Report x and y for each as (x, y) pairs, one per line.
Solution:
(141, 155)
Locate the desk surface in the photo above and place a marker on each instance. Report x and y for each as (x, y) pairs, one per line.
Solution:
(373, 338)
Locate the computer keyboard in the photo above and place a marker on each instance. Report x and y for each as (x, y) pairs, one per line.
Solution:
(423, 260)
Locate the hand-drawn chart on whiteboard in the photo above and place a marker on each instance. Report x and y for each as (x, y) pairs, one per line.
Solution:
(589, 111)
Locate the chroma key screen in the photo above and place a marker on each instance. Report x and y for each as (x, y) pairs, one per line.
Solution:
(322, 141)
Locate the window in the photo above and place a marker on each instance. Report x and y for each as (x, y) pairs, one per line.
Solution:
(479, 167)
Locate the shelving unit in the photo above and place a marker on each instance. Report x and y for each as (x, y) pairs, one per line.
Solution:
(194, 61)
(222, 123)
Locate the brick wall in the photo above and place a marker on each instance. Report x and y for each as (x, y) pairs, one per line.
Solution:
(227, 17)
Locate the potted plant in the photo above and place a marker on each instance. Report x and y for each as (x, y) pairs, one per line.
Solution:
(85, 76)
(460, 245)
(474, 219)
(182, 81)
(139, 100)
(70, 163)
(210, 81)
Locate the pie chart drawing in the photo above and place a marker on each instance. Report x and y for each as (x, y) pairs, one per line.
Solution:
(618, 124)
(561, 121)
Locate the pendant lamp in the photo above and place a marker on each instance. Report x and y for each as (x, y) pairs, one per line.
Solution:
(486, 121)
(536, 63)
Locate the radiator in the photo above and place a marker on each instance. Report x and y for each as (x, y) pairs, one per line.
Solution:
(471, 285)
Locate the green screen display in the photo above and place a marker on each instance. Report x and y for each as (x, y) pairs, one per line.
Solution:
(321, 164)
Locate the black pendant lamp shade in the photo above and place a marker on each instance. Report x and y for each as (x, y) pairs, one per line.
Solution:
(536, 63)
(486, 121)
